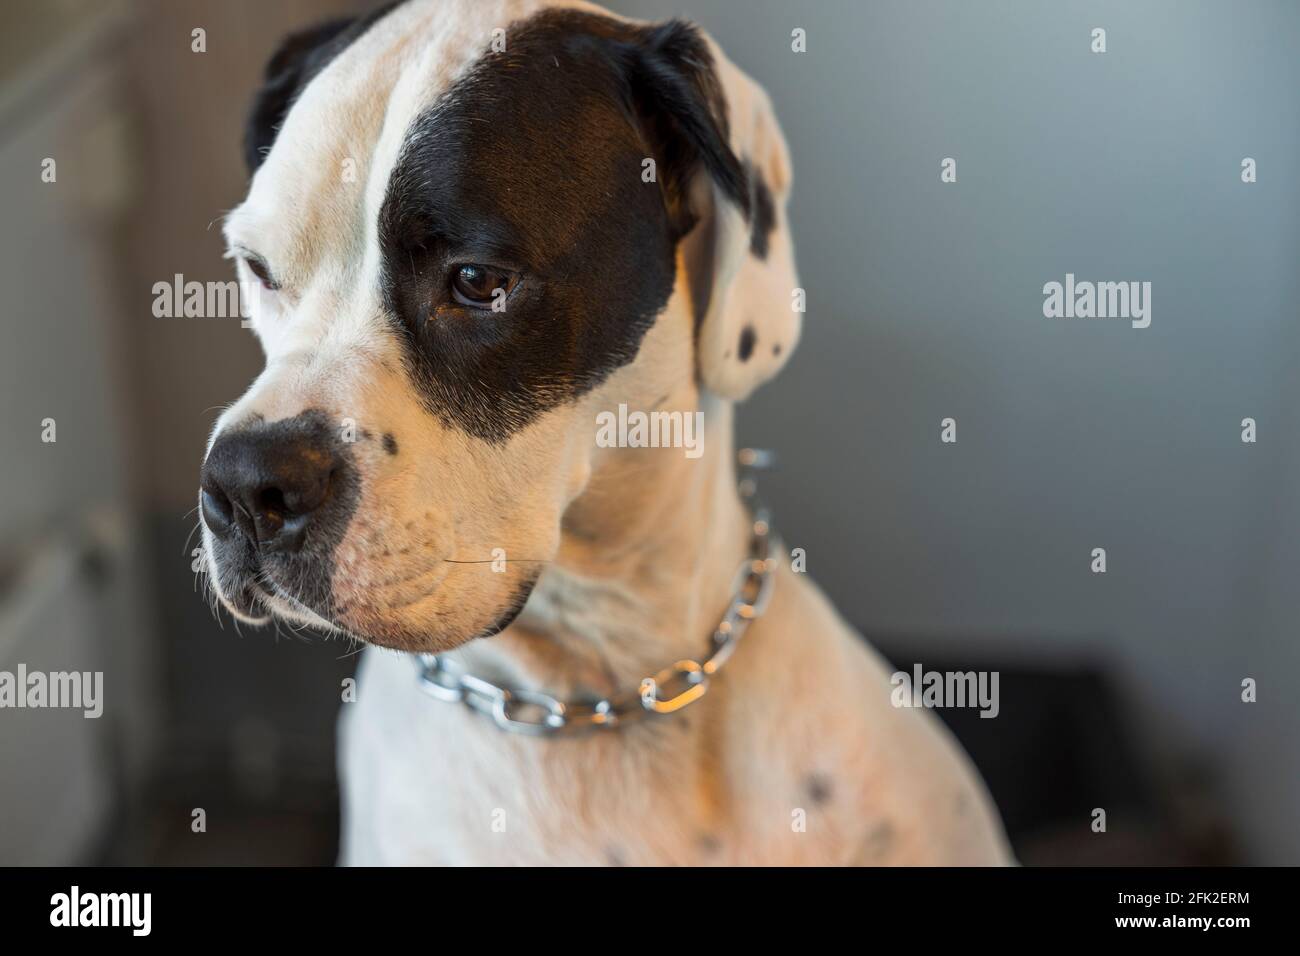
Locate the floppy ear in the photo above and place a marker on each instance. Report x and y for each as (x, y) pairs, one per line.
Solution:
(752, 321)
(730, 168)
(298, 59)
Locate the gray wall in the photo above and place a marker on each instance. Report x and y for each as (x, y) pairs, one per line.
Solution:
(925, 301)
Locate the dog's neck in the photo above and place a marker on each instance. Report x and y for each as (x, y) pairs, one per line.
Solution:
(643, 574)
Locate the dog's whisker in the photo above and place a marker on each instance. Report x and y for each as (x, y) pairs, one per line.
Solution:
(506, 560)
(398, 582)
(222, 217)
(357, 646)
(190, 537)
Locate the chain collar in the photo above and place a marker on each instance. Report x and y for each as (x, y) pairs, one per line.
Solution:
(541, 715)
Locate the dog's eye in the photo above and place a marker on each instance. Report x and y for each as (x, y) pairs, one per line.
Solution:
(477, 286)
(259, 268)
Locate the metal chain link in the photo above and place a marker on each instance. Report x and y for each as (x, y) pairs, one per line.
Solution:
(541, 715)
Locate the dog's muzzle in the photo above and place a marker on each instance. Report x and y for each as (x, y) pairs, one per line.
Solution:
(277, 498)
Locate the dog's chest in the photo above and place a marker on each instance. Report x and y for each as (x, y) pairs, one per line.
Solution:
(427, 782)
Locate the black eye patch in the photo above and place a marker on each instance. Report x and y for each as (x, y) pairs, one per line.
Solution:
(533, 156)
(533, 165)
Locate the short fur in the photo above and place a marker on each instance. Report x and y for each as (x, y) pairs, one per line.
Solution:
(476, 432)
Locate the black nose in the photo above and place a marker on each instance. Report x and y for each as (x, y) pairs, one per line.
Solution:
(268, 482)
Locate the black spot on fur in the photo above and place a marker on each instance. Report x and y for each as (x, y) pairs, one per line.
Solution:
(708, 844)
(879, 840)
(776, 349)
(819, 788)
(390, 443)
(748, 339)
(296, 62)
(531, 164)
(764, 217)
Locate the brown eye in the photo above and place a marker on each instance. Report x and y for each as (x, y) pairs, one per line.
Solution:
(477, 286)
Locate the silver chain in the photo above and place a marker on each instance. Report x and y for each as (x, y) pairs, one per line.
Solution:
(537, 714)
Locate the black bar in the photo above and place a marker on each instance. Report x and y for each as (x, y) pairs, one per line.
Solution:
(575, 908)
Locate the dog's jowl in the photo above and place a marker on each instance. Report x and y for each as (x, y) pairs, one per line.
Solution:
(480, 228)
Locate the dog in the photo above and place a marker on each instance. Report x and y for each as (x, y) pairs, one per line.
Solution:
(477, 227)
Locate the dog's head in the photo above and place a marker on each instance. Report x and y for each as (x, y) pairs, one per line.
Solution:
(475, 225)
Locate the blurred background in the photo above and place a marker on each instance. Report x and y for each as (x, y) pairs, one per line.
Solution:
(1120, 690)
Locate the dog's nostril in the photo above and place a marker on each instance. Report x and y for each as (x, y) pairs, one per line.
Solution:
(271, 503)
(217, 513)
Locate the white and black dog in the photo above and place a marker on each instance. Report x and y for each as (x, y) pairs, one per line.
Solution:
(479, 225)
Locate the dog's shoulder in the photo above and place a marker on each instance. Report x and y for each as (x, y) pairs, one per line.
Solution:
(816, 718)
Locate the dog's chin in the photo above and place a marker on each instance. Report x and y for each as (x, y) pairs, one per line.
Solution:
(451, 630)
(292, 612)
(250, 602)
(245, 614)
(257, 600)
(243, 602)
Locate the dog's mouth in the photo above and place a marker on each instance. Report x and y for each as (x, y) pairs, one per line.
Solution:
(403, 608)
(277, 602)
(249, 600)
(256, 588)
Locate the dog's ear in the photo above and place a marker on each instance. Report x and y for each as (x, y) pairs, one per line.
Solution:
(296, 61)
(726, 177)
